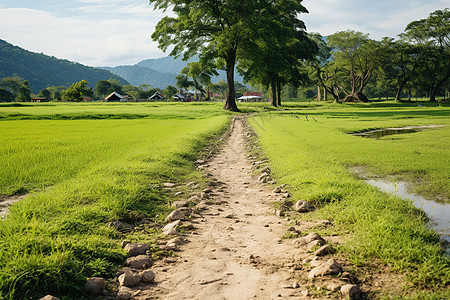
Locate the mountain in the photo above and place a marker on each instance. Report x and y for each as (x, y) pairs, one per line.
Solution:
(137, 75)
(41, 70)
(159, 72)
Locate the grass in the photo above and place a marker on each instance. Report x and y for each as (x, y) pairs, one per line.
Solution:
(310, 150)
(86, 174)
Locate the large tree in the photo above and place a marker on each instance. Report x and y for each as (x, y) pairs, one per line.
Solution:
(218, 28)
(278, 45)
(356, 53)
(434, 34)
(76, 91)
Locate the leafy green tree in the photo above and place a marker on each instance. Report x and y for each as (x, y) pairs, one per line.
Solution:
(220, 87)
(358, 55)
(24, 93)
(219, 29)
(6, 96)
(45, 93)
(12, 84)
(434, 34)
(279, 44)
(103, 88)
(55, 92)
(131, 90)
(76, 91)
(200, 72)
(169, 92)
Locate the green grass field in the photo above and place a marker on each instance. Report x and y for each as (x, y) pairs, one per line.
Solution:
(87, 164)
(83, 175)
(311, 150)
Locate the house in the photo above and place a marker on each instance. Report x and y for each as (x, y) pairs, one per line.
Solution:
(179, 97)
(157, 97)
(115, 97)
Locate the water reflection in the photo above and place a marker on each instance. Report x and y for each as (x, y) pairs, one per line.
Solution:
(379, 133)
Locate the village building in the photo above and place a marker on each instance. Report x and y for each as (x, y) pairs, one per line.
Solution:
(157, 97)
(115, 97)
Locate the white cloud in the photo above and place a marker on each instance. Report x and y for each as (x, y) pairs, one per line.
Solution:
(110, 40)
(378, 18)
(116, 32)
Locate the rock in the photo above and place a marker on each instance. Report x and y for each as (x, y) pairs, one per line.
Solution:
(177, 241)
(333, 286)
(194, 199)
(286, 195)
(207, 191)
(299, 242)
(124, 243)
(313, 236)
(324, 250)
(177, 214)
(277, 190)
(262, 176)
(134, 249)
(147, 276)
(178, 194)
(314, 244)
(123, 295)
(171, 228)
(129, 279)
(190, 183)
(95, 286)
(295, 285)
(280, 212)
(121, 226)
(169, 184)
(49, 297)
(302, 206)
(352, 291)
(139, 262)
(179, 203)
(330, 267)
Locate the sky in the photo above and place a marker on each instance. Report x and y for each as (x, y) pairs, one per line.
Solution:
(117, 32)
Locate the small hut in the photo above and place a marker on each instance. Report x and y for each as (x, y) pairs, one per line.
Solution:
(115, 97)
(157, 97)
(179, 97)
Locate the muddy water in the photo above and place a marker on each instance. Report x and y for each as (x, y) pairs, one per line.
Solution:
(379, 133)
(439, 213)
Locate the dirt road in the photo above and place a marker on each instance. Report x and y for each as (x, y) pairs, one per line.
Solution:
(236, 250)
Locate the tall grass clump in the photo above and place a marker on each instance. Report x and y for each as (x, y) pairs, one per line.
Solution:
(311, 151)
(86, 174)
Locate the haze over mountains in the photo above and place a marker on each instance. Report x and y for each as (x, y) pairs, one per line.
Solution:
(41, 70)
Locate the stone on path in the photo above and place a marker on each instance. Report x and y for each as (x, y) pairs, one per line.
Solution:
(177, 214)
(49, 297)
(129, 279)
(352, 291)
(169, 184)
(147, 276)
(139, 262)
(171, 228)
(313, 236)
(330, 267)
(314, 244)
(324, 250)
(134, 249)
(95, 286)
(302, 206)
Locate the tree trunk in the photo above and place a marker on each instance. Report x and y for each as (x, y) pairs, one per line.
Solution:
(279, 93)
(399, 91)
(274, 94)
(325, 94)
(319, 95)
(230, 103)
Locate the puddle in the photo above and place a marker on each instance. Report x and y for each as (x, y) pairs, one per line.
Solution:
(439, 213)
(379, 133)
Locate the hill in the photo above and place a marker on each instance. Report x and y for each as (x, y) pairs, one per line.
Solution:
(137, 75)
(41, 70)
(159, 72)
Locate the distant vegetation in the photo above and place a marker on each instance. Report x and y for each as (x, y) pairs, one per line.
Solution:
(41, 70)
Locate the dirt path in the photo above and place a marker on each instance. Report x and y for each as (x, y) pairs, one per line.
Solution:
(237, 253)
(236, 250)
